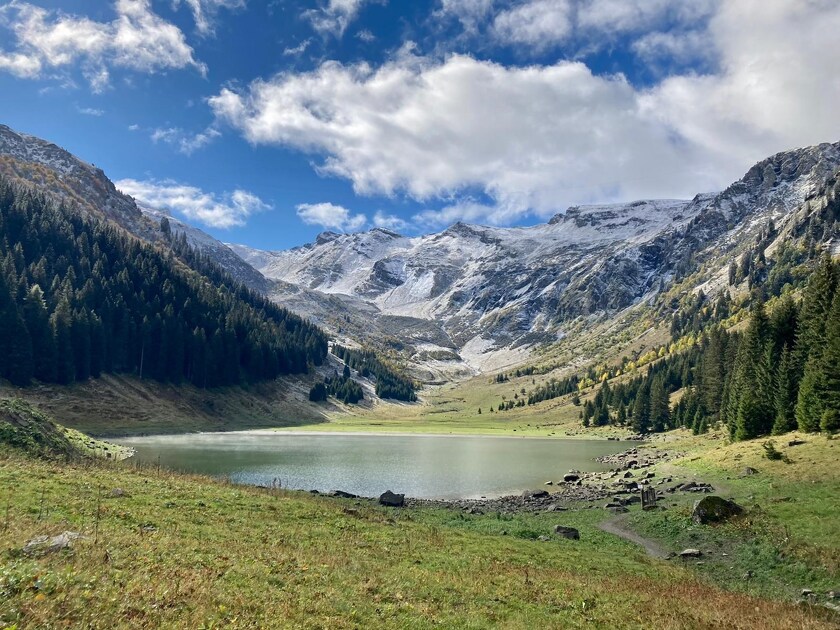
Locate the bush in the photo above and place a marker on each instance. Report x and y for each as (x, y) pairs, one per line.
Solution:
(830, 421)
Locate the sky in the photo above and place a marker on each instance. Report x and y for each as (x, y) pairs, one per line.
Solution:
(265, 122)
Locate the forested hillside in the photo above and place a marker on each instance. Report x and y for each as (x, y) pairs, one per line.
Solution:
(778, 373)
(79, 297)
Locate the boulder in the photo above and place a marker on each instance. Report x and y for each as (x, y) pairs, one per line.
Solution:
(42, 545)
(690, 553)
(714, 509)
(534, 494)
(118, 493)
(341, 494)
(567, 532)
(571, 477)
(748, 472)
(390, 499)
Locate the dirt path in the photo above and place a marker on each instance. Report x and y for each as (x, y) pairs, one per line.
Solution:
(618, 527)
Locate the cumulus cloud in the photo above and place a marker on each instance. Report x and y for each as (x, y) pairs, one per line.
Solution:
(537, 139)
(335, 16)
(186, 143)
(219, 211)
(330, 216)
(538, 23)
(590, 24)
(205, 12)
(137, 39)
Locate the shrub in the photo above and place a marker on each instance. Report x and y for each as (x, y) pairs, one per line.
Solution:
(830, 421)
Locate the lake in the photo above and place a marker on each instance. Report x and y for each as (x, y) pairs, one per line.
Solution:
(421, 466)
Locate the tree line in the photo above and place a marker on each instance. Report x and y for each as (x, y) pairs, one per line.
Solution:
(780, 374)
(389, 382)
(80, 297)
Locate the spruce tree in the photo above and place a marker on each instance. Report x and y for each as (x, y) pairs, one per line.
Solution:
(785, 397)
(754, 415)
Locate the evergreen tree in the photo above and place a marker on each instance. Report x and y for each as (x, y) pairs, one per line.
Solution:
(754, 411)
(641, 411)
(785, 398)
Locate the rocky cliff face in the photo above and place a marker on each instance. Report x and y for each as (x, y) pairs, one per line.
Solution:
(487, 294)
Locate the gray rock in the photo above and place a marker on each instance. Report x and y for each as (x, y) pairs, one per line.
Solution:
(571, 477)
(567, 532)
(343, 495)
(390, 499)
(42, 545)
(118, 493)
(543, 538)
(534, 494)
(690, 553)
(748, 472)
(713, 509)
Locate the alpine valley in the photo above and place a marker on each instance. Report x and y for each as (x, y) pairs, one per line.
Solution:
(705, 330)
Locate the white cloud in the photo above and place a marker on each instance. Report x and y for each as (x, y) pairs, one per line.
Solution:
(366, 36)
(220, 211)
(335, 16)
(539, 23)
(686, 47)
(205, 12)
(137, 39)
(590, 24)
(90, 111)
(330, 216)
(186, 143)
(133, 127)
(389, 221)
(294, 51)
(471, 13)
(537, 139)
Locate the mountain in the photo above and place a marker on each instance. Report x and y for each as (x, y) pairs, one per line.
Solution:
(66, 179)
(482, 298)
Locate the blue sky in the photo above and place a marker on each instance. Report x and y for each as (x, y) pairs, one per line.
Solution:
(267, 122)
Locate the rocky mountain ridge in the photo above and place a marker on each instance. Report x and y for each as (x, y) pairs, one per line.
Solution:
(470, 298)
(484, 296)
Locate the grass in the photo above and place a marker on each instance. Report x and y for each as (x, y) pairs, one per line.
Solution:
(188, 552)
(119, 405)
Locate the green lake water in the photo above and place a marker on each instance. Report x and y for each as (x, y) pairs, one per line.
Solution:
(422, 466)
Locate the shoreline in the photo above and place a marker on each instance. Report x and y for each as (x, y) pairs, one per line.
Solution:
(378, 433)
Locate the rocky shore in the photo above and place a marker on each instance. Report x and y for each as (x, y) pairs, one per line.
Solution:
(612, 489)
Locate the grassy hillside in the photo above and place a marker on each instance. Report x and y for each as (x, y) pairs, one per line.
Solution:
(188, 552)
(115, 405)
(25, 429)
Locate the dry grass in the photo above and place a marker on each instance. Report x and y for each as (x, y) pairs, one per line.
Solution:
(187, 552)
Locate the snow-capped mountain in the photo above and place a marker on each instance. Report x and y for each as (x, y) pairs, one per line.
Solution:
(470, 298)
(485, 293)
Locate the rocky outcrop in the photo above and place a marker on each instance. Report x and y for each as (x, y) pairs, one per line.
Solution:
(391, 499)
(714, 509)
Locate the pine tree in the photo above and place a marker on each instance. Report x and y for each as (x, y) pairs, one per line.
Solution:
(754, 415)
(659, 409)
(785, 398)
(641, 411)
